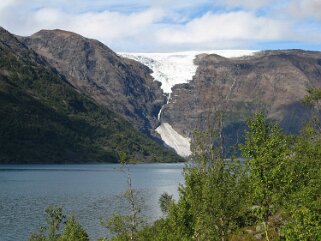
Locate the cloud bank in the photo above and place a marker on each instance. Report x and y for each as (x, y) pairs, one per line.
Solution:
(146, 25)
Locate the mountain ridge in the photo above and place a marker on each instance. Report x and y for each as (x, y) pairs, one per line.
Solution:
(123, 85)
(238, 82)
(273, 82)
(46, 120)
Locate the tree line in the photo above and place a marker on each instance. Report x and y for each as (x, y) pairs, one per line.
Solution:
(272, 193)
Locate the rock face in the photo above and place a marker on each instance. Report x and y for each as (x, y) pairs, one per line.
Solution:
(271, 81)
(43, 119)
(172, 69)
(123, 85)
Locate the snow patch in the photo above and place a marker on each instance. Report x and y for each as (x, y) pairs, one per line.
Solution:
(177, 67)
(180, 143)
(171, 69)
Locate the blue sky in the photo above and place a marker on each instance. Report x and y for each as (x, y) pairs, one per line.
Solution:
(167, 25)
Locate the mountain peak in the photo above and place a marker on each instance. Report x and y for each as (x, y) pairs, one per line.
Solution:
(123, 85)
(2, 30)
(44, 119)
(5, 34)
(55, 32)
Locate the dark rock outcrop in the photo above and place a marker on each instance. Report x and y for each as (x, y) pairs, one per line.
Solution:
(271, 81)
(123, 85)
(44, 119)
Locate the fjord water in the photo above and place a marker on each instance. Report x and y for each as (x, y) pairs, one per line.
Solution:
(91, 192)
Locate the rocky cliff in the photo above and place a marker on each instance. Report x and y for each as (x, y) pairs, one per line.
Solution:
(123, 85)
(43, 119)
(271, 81)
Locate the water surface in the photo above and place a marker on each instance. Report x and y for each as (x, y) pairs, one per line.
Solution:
(91, 192)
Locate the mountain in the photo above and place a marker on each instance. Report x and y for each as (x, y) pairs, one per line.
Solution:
(239, 84)
(273, 82)
(121, 84)
(45, 119)
(173, 94)
(176, 67)
(172, 69)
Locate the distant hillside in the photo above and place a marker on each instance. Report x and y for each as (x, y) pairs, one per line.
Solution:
(273, 82)
(172, 69)
(44, 119)
(124, 85)
(199, 84)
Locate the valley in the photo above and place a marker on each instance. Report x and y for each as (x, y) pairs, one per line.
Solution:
(237, 82)
(46, 119)
(167, 96)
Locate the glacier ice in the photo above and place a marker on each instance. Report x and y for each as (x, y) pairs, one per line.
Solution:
(171, 69)
(177, 67)
(178, 142)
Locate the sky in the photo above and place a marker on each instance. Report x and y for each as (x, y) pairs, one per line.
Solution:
(173, 25)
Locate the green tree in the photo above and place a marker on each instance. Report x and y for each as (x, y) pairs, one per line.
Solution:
(313, 97)
(55, 219)
(212, 199)
(38, 236)
(268, 152)
(304, 203)
(125, 226)
(165, 201)
(73, 231)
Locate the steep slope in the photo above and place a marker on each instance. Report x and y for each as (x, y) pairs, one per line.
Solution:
(122, 84)
(43, 119)
(172, 69)
(272, 81)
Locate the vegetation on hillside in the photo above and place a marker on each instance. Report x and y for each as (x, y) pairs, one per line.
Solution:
(274, 194)
(59, 228)
(43, 119)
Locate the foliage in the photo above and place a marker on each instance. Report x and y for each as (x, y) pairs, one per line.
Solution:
(210, 203)
(268, 151)
(274, 194)
(313, 97)
(165, 201)
(73, 231)
(304, 202)
(212, 200)
(55, 218)
(125, 226)
(44, 119)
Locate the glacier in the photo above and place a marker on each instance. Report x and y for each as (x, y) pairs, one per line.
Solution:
(173, 139)
(171, 69)
(168, 68)
(177, 67)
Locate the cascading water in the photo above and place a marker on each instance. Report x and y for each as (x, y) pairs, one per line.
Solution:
(159, 115)
(171, 69)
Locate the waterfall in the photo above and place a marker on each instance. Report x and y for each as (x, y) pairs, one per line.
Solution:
(171, 69)
(160, 111)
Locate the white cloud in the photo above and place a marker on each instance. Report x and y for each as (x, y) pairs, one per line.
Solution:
(178, 3)
(5, 6)
(232, 28)
(106, 26)
(7, 3)
(305, 8)
(148, 25)
(253, 4)
(112, 26)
